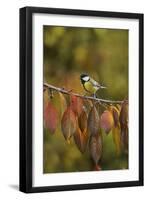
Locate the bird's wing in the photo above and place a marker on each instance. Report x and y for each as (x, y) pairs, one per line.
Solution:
(94, 83)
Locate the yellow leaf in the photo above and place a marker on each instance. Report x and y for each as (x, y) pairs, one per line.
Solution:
(117, 139)
(63, 103)
(116, 113)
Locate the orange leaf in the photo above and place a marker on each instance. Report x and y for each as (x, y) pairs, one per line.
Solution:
(80, 136)
(50, 117)
(106, 121)
(93, 121)
(95, 147)
(76, 104)
(68, 123)
(81, 139)
(82, 120)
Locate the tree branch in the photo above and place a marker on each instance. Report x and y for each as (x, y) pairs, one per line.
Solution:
(69, 92)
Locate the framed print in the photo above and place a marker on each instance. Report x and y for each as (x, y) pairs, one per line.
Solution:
(81, 99)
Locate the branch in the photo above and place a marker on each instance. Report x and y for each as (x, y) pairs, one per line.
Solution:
(69, 92)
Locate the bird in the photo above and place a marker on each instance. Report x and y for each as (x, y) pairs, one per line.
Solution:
(90, 85)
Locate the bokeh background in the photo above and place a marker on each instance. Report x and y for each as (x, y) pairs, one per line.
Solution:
(101, 53)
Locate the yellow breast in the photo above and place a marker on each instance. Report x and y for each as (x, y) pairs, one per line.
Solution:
(90, 88)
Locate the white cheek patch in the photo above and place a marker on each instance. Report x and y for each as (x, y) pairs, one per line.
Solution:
(86, 78)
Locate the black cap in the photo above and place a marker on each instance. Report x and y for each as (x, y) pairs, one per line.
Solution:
(83, 75)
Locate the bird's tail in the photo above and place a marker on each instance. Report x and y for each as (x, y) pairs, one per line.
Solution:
(103, 87)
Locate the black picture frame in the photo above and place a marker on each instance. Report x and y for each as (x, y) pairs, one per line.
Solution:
(26, 14)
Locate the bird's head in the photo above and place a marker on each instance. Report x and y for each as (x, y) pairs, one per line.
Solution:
(84, 78)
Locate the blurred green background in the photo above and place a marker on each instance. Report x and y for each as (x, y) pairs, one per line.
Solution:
(101, 53)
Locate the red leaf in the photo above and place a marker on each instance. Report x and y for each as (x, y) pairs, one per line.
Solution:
(106, 121)
(124, 114)
(93, 121)
(124, 125)
(97, 168)
(50, 117)
(76, 104)
(68, 123)
(124, 138)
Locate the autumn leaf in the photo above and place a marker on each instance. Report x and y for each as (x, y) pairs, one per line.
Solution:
(95, 147)
(88, 104)
(50, 117)
(117, 139)
(124, 138)
(68, 123)
(118, 106)
(81, 136)
(45, 97)
(97, 168)
(63, 103)
(76, 104)
(106, 121)
(124, 125)
(115, 112)
(82, 121)
(81, 139)
(93, 121)
(124, 114)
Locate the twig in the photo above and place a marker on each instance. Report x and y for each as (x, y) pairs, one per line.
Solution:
(68, 92)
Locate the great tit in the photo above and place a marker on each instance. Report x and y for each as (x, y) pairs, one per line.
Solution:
(90, 85)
